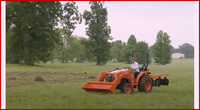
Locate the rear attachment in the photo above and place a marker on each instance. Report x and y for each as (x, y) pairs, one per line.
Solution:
(158, 82)
(99, 86)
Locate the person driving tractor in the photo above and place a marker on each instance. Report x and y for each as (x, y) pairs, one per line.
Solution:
(134, 67)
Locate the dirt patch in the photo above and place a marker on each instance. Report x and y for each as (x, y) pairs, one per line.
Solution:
(39, 79)
(12, 78)
(92, 77)
(25, 78)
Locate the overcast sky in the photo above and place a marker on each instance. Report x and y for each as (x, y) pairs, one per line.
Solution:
(145, 19)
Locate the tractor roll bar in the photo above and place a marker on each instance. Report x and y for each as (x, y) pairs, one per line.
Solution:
(142, 51)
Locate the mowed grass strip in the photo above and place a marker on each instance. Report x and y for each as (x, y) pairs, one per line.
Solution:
(179, 94)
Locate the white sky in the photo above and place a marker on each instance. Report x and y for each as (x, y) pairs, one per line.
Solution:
(145, 19)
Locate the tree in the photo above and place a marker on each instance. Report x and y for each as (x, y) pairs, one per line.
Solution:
(141, 57)
(87, 50)
(187, 49)
(69, 49)
(161, 48)
(98, 32)
(60, 50)
(127, 50)
(33, 25)
(116, 50)
(126, 53)
(132, 40)
(75, 49)
(10, 58)
(151, 54)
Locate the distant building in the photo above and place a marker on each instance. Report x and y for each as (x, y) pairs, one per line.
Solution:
(178, 55)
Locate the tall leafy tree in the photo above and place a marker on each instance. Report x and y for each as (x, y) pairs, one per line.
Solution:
(75, 49)
(151, 54)
(69, 49)
(60, 50)
(10, 58)
(141, 57)
(127, 50)
(116, 50)
(87, 51)
(161, 48)
(98, 32)
(33, 27)
(126, 53)
(132, 40)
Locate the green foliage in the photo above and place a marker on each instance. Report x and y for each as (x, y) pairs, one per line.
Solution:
(33, 35)
(131, 46)
(186, 49)
(126, 53)
(75, 49)
(151, 54)
(132, 40)
(116, 50)
(98, 32)
(128, 49)
(161, 48)
(10, 57)
(70, 48)
(141, 57)
(88, 50)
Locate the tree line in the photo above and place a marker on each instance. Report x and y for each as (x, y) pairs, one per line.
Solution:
(32, 35)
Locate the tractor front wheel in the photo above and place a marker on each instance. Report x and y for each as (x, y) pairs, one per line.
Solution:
(127, 88)
(145, 84)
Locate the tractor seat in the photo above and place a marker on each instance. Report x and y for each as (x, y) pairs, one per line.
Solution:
(143, 68)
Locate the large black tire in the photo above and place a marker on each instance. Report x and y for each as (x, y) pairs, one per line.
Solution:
(121, 85)
(145, 84)
(139, 87)
(127, 88)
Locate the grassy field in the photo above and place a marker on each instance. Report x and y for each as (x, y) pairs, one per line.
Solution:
(179, 94)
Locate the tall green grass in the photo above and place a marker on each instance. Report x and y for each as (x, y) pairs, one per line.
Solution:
(179, 94)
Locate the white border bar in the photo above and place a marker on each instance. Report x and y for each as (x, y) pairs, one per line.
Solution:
(3, 52)
(196, 55)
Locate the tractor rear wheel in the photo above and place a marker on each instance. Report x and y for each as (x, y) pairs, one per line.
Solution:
(145, 84)
(127, 88)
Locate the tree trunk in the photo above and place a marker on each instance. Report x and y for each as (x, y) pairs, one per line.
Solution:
(29, 62)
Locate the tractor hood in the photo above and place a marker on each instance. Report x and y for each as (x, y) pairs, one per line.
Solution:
(118, 71)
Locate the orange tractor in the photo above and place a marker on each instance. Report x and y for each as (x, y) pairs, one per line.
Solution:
(124, 80)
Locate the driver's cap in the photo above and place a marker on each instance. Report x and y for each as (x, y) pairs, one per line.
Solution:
(132, 59)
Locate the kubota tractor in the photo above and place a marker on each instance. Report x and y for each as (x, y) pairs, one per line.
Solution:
(124, 80)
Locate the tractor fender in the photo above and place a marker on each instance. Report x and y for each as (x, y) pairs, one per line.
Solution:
(143, 73)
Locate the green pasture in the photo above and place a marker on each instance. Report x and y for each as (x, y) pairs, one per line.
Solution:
(179, 94)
